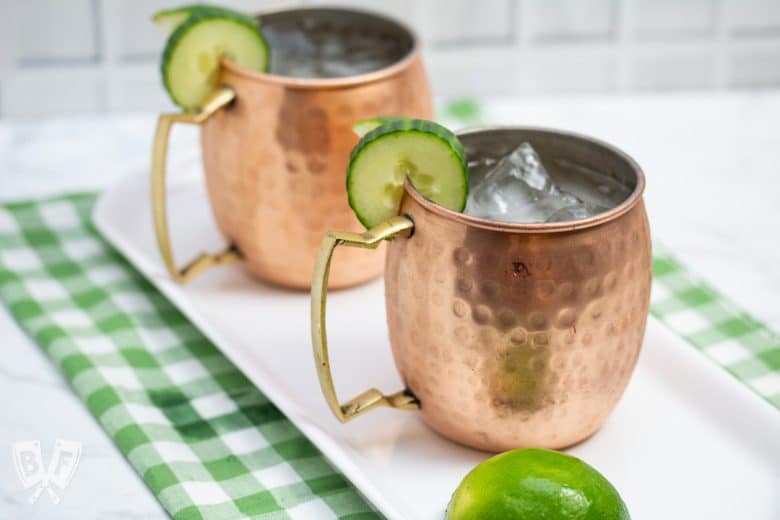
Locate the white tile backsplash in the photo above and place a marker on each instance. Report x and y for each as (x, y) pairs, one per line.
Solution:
(557, 69)
(443, 22)
(137, 87)
(551, 20)
(56, 30)
(65, 56)
(137, 37)
(753, 64)
(406, 10)
(44, 92)
(490, 73)
(745, 17)
(675, 67)
(683, 19)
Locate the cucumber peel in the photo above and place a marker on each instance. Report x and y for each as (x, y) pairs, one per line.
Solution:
(190, 61)
(364, 126)
(170, 19)
(429, 155)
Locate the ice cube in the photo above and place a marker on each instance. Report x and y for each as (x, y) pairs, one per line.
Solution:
(527, 166)
(518, 189)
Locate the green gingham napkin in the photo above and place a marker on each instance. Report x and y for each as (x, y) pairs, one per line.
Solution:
(206, 442)
(711, 323)
(204, 439)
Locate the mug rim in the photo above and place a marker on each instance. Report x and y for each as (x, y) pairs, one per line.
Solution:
(322, 83)
(540, 227)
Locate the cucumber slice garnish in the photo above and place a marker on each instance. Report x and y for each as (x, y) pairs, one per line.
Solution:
(190, 62)
(427, 153)
(170, 19)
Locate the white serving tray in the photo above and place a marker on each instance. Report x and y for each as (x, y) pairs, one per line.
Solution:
(686, 441)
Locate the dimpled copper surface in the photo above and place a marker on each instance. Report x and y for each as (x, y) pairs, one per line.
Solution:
(517, 338)
(275, 164)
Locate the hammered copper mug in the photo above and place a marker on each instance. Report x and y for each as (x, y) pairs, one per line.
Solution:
(507, 335)
(275, 150)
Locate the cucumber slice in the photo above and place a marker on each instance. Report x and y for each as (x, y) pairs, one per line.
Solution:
(364, 126)
(190, 62)
(170, 19)
(427, 153)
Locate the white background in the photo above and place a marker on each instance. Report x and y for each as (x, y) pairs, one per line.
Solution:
(99, 56)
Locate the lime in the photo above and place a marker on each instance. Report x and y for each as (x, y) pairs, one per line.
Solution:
(533, 484)
(426, 153)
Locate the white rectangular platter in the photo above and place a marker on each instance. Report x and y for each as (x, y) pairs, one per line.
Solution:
(686, 441)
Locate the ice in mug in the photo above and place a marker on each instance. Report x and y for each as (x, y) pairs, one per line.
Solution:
(518, 188)
(312, 48)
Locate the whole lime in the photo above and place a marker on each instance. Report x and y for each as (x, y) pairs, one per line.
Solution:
(532, 484)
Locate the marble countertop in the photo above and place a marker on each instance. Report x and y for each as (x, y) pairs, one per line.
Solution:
(713, 196)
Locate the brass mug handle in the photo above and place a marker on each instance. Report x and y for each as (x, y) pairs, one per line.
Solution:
(371, 398)
(218, 99)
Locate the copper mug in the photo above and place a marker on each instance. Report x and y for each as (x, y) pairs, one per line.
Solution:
(507, 335)
(275, 150)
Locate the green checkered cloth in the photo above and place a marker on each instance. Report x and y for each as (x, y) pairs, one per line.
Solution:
(711, 323)
(203, 438)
